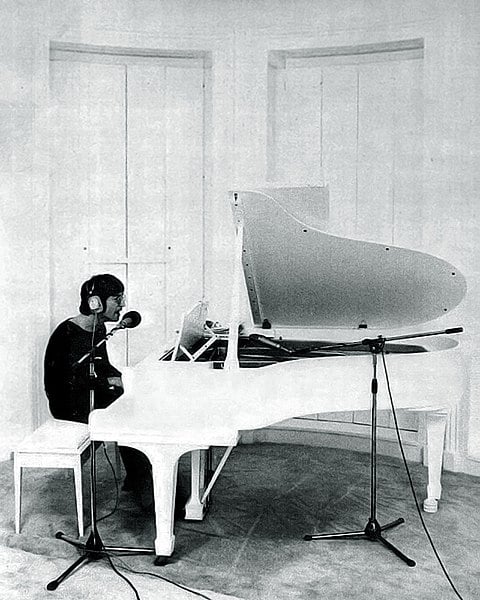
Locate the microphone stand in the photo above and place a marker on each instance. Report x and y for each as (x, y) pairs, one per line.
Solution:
(93, 549)
(373, 530)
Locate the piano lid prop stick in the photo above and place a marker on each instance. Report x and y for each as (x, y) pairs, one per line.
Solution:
(231, 360)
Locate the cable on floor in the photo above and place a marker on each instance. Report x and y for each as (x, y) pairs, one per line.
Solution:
(417, 505)
(117, 487)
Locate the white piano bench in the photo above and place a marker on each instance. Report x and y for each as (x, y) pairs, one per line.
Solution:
(54, 445)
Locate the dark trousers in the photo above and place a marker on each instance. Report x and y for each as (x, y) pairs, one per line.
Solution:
(137, 465)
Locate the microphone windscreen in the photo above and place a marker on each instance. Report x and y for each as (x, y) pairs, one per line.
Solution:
(131, 319)
(454, 330)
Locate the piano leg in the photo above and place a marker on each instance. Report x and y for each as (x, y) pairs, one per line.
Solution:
(194, 508)
(164, 459)
(436, 425)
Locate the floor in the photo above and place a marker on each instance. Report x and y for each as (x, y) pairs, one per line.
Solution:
(251, 545)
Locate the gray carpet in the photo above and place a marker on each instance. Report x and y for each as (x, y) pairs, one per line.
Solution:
(251, 545)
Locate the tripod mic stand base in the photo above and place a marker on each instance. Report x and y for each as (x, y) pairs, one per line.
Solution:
(93, 550)
(373, 532)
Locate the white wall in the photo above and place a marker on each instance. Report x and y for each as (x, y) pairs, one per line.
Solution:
(239, 35)
(24, 281)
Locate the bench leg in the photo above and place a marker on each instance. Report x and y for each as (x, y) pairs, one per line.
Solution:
(77, 472)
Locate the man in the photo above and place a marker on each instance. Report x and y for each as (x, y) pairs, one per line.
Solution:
(68, 383)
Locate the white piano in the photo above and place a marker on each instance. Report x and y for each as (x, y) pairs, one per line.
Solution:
(307, 290)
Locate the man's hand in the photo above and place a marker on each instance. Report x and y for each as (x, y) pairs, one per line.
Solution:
(115, 382)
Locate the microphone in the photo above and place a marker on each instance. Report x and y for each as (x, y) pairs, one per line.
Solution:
(454, 330)
(131, 319)
(262, 339)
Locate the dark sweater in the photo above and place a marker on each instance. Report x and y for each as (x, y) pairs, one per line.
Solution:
(67, 385)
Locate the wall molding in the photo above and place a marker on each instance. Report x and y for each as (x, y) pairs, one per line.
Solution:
(462, 463)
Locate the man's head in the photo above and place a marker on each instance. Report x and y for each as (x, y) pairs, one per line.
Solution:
(102, 294)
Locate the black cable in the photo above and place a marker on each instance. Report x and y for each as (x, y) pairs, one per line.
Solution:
(419, 510)
(179, 585)
(109, 556)
(122, 576)
(112, 554)
(103, 552)
(117, 493)
(92, 343)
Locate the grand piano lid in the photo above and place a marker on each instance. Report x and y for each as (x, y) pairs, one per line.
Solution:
(298, 276)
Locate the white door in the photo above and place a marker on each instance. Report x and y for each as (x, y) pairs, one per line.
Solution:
(127, 187)
(352, 118)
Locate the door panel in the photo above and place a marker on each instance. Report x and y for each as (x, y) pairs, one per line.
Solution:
(146, 293)
(375, 154)
(359, 117)
(146, 135)
(339, 134)
(184, 191)
(127, 187)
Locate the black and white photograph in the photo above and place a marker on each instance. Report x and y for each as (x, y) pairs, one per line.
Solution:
(240, 273)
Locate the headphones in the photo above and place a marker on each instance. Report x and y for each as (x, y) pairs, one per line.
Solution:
(94, 303)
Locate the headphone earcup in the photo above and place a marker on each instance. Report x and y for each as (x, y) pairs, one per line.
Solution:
(95, 304)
